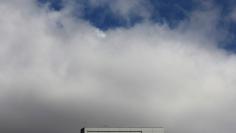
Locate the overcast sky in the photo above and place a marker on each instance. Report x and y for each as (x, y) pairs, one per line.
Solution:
(65, 65)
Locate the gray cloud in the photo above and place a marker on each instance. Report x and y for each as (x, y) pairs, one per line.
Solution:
(58, 74)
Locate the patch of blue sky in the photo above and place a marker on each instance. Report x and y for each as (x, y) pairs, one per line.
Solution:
(104, 19)
(229, 43)
(170, 12)
(226, 7)
(164, 11)
(56, 5)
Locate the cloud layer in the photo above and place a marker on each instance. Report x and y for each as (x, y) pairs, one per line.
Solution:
(59, 73)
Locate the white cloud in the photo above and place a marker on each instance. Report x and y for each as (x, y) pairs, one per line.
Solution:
(57, 74)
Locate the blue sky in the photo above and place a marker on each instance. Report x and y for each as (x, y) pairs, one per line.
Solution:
(170, 12)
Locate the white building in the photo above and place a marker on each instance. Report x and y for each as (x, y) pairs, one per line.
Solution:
(123, 130)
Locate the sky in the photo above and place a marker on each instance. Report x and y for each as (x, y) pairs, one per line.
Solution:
(65, 65)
